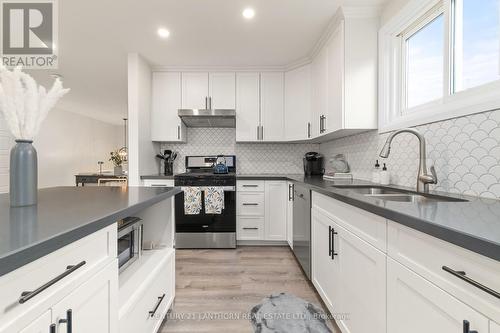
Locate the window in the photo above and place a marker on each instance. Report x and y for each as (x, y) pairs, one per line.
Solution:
(439, 59)
(476, 43)
(424, 50)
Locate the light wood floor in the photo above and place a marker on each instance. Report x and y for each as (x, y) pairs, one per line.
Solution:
(228, 283)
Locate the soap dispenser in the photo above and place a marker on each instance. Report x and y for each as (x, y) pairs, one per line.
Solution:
(376, 173)
(385, 176)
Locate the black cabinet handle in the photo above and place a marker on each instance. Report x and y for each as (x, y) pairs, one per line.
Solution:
(250, 204)
(329, 241)
(68, 321)
(250, 228)
(250, 185)
(160, 299)
(27, 295)
(467, 327)
(333, 233)
(463, 276)
(52, 328)
(308, 130)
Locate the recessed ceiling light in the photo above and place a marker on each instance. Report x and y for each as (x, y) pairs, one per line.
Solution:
(248, 13)
(163, 33)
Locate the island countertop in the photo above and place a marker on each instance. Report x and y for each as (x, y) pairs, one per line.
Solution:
(64, 215)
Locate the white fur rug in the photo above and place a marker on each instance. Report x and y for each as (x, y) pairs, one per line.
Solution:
(285, 313)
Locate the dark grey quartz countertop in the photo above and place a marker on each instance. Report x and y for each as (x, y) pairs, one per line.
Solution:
(157, 176)
(64, 215)
(473, 225)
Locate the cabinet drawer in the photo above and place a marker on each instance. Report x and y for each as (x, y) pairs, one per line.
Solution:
(157, 294)
(250, 203)
(367, 226)
(415, 305)
(85, 255)
(158, 182)
(250, 228)
(427, 255)
(250, 186)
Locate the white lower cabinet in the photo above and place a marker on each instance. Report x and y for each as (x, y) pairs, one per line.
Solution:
(362, 282)
(406, 290)
(155, 296)
(158, 182)
(262, 209)
(350, 275)
(324, 271)
(276, 208)
(39, 325)
(415, 305)
(92, 307)
(250, 228)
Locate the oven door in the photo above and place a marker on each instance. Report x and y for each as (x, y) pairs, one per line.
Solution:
(224, 222)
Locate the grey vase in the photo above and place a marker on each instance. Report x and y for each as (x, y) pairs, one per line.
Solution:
(23, 174)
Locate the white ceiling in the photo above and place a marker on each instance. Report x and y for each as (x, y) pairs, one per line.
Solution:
(96, 35)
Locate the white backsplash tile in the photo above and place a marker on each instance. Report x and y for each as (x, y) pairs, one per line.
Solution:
(251, 158)
(465, 152)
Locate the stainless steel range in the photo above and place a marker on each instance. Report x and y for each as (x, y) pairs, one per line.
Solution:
(202, 229)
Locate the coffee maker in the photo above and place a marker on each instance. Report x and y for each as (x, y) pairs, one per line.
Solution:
(313, 164)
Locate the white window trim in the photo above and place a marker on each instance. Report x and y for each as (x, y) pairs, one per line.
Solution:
(475, 100)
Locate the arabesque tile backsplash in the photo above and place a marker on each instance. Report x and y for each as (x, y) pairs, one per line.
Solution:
(465, 152)
(251, 158)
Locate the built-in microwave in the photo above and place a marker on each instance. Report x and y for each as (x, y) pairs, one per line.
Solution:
(129, 241)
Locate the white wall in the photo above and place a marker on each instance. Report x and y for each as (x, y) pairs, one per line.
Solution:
(68, 143)
(141, 150)
(391, 9)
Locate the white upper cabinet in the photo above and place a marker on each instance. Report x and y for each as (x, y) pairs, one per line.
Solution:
(333, 117)
(298, 104)
(195, 90)
(344, 77)
(319, 90)
(165, 123)
(202, 90)
(272, 106)
(361, 72)
(222, 90)
(247, 107)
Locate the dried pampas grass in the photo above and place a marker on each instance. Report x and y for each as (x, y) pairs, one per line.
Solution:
(24, 103)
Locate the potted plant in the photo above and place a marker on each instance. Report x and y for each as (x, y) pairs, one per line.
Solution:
(117, 160)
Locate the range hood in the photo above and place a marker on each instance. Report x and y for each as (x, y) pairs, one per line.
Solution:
(208, 118)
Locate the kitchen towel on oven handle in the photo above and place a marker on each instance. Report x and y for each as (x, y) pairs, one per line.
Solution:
(192, 200)
(214, 200)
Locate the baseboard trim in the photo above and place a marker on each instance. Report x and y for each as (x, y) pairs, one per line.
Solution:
(260, 243)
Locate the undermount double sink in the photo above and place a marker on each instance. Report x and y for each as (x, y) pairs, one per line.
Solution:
(399, 195)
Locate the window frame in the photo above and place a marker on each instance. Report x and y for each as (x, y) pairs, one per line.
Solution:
(392, 81)
(404, 36)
